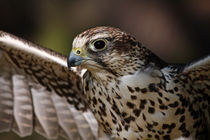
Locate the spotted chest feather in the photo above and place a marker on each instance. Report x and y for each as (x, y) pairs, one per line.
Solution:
(143, 106)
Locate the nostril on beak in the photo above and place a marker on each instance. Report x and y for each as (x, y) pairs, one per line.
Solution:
(74, 60)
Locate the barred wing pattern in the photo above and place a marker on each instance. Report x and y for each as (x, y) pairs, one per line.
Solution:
(38, 92)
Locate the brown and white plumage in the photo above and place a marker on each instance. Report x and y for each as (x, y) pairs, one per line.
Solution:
(38, 92)
(136, 95)
(132, 93)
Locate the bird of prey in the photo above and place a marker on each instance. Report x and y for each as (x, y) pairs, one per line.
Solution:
(109, 86)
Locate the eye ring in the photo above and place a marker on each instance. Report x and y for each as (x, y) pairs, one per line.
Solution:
(98, 45)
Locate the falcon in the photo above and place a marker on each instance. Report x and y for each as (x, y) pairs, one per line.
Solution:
(110, 86)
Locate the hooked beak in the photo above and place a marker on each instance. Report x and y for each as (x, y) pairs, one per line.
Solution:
(74, 60)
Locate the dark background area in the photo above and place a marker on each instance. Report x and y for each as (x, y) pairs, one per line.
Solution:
(177, 30)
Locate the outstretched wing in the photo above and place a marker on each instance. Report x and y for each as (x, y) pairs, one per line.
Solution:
(38, 92)
(198, 74)
(195, 81)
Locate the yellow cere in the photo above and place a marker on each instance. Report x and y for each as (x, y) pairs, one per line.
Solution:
(79, 51)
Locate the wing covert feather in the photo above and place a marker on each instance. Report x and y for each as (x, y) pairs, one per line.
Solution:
(198, 74)
(195, 82)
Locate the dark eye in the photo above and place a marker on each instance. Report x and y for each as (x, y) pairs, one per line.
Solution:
(98, 45)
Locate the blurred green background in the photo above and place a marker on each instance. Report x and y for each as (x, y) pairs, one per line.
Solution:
(176, 30)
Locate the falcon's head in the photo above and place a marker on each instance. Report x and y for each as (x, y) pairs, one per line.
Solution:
(107, 49)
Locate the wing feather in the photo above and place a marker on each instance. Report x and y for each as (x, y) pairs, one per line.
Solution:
(6, 99)
(46, 117)
(203, 64)
(82, 124)
(23, 111)
(38, 92)
(66, 118)
(196, 80)
(198, 74)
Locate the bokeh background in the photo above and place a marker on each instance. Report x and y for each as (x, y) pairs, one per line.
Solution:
(177, 30)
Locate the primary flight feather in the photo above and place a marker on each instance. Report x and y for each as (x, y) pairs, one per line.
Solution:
(36, 86)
